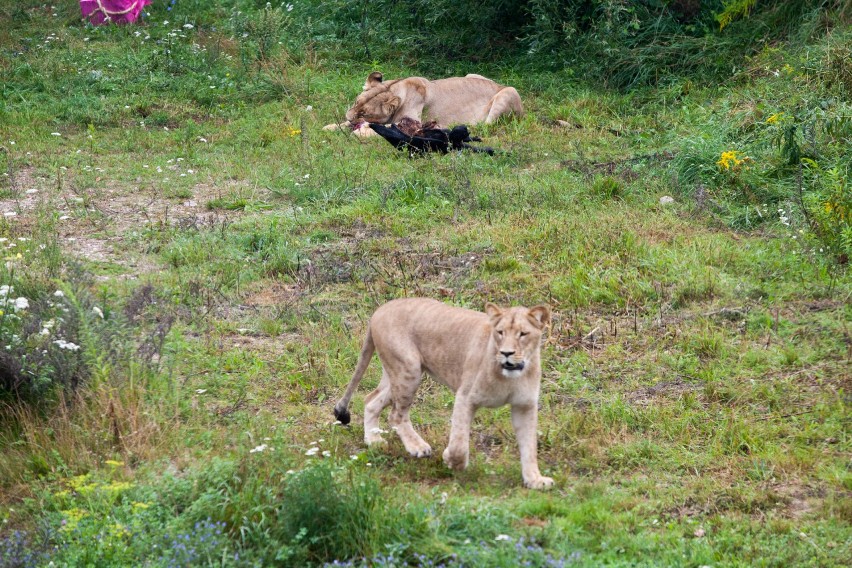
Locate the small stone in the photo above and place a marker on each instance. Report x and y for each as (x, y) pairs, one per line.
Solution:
(666, 200)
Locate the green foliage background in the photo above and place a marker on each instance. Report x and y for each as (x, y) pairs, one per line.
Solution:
(218, 255)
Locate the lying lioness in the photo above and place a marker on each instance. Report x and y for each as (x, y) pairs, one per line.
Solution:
(488, 359)
(456, 100)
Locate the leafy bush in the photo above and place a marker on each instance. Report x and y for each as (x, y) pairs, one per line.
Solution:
(828, 208)
(280, 516)
(20, 549)
(261, 33)
(51, 335)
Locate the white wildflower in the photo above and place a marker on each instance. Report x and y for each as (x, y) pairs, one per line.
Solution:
(502, 537)
(21, 304)
(62, 344)
(312, 452)
(326, 454)
(259, 449)
(55, 134)
(59, 294)
(200, 391)
(188, 26)
(98, 312)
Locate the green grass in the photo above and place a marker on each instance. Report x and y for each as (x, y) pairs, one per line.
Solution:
(695, 401)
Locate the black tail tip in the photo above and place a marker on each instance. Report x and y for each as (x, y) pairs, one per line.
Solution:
(342, 416)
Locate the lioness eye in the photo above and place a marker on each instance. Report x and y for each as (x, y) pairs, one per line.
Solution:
(500, 332)
(523, 333)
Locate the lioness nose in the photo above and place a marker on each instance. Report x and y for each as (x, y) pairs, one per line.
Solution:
(507, 353)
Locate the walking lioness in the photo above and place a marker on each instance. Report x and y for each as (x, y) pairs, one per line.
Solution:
(488, 359)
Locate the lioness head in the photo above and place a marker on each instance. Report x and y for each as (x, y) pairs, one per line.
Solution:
(517, 334)
(376, 104)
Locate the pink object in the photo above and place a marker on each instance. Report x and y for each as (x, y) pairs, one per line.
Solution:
(116, 11)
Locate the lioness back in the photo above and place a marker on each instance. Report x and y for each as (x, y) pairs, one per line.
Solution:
(436, 335)
(459, 100)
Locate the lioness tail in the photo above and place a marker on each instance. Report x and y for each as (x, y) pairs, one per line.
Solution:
(341, 411)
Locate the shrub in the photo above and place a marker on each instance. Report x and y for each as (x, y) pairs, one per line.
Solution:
(302, 517)
(20, 549)
(52, 335)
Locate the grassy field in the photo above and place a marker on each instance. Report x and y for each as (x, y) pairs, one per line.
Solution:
(171, 204)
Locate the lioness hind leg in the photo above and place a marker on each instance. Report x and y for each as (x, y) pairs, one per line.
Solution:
(402, 395)
(506, 101)
(375, 402)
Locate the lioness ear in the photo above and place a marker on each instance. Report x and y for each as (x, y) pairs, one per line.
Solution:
(373, 79)
(390, 105)
(493, 310)
(540, 315)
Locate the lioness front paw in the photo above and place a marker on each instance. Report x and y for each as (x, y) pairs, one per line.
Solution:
(539, 482)
(455, 460)
(420, 451)
(373, 437)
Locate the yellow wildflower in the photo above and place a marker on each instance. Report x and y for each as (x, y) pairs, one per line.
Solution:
(138, 505)
(835, 209)
(294, 131)
(114, 463)
(72, 518)
(117, 487)
(729, 160)
(118, 531)
(82, 485)
(774, 118)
